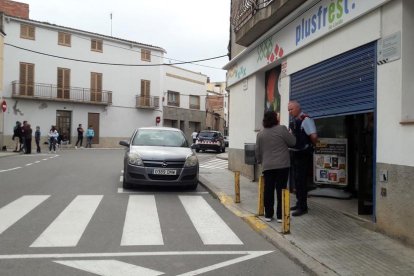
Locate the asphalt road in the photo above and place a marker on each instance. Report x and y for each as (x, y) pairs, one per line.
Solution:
(67, 214)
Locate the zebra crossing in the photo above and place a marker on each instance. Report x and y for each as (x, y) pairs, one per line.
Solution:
(216, 163)
(141, 225)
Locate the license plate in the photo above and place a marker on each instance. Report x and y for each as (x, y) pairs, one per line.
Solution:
(165, 172)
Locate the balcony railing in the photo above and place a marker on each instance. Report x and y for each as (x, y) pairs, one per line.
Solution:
(243, 10)
(62, 94)
(147, 102)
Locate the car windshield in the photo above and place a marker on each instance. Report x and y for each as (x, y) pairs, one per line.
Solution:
(155, 137)
(208, 134)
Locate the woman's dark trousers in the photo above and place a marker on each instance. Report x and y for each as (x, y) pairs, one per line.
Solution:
(276, 178)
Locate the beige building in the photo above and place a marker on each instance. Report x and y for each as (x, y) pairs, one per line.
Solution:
(217, 107)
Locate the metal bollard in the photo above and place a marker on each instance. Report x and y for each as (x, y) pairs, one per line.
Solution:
(286, 211)
(237, 186)
(260, 206)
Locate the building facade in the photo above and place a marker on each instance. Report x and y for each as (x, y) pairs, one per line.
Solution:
(184, 100)
(217, 107)
(62, 76)
(350, 65)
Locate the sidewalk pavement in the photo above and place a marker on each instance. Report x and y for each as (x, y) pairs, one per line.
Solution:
(324, 241)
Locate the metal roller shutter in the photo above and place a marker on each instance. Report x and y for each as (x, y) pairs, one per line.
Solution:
(341, 85)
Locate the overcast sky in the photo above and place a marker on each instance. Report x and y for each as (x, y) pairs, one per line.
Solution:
(186, 29)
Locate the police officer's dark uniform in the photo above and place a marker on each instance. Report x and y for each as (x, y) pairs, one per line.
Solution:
(301, 161)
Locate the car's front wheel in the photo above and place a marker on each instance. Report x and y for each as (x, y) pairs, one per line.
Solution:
(125, 184)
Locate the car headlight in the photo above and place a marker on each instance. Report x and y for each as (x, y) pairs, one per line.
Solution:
(135, 159)
(191, 161)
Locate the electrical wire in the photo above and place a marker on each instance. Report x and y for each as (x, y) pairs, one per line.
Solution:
(118, 64)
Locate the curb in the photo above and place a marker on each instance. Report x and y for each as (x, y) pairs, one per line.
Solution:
(293, 252)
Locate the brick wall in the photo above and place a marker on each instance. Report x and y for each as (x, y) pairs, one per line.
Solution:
(13, 8)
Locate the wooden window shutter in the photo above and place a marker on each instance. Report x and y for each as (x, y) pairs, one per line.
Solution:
(99, 82)
(30, 74)
(61, 38)
(60, 78)
(23, 30)
(31, 32)
(99, 45)
(22, 72)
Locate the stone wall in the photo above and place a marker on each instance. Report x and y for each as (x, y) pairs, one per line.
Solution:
(394, 201)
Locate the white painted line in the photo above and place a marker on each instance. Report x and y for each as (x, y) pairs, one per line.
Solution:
(37, 162)
(211, 228)
(17, 209)
(123, 191)
(29, 164)
(45, 159)
(142, 225)
(225, 263)
(110, 268)
(12, 169)
(127, 254)
(68, 227)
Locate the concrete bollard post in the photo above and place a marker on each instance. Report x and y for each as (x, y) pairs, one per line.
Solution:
(260, 205)
(237, 186)
(285, 211)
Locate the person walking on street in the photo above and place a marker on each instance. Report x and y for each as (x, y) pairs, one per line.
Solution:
(28, 132)
(272, 151)
(194, 135)
(37, 139)
(304, 130)
(90, 133)
(80, 136)
(17, 136)
(53, 136)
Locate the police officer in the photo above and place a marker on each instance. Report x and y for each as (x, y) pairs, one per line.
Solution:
(304, 130)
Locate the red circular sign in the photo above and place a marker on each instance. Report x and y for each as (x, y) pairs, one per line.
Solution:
(158, 119)
(4, 106)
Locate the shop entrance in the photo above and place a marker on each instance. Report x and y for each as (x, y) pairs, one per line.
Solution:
(358, 133)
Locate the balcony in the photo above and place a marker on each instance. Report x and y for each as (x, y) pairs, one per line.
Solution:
(253, 18)
(50, 92)
(147, 102)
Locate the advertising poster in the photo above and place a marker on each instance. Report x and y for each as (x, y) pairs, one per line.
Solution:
(330, 161)
(272, 100)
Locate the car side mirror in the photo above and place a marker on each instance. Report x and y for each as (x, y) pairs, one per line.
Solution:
(124, 143)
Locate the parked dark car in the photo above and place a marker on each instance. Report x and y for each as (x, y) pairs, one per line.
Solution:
(159, 156)
(210, 140)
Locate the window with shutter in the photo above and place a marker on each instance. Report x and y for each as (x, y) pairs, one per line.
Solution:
(63, 83)
(145, 55)
(27, 31)
(64, 39)
(195, 102)
(173, 98)
(145, 97)
(96, 45)
(26, 79)
(96, 87)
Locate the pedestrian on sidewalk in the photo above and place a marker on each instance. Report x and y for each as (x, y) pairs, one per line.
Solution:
(80, 136)
(90, 133)
(17, 136)
(28, 133)
(272, 151)
(37, 138)
(23, 143)
(304, 129)
(53, 136)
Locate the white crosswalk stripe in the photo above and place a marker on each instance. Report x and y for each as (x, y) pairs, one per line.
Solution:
(215, 164)
(68, 227)
(211, 228)
(141, 226)
(14, 211)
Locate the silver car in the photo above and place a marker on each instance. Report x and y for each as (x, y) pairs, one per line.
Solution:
(159, 156)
